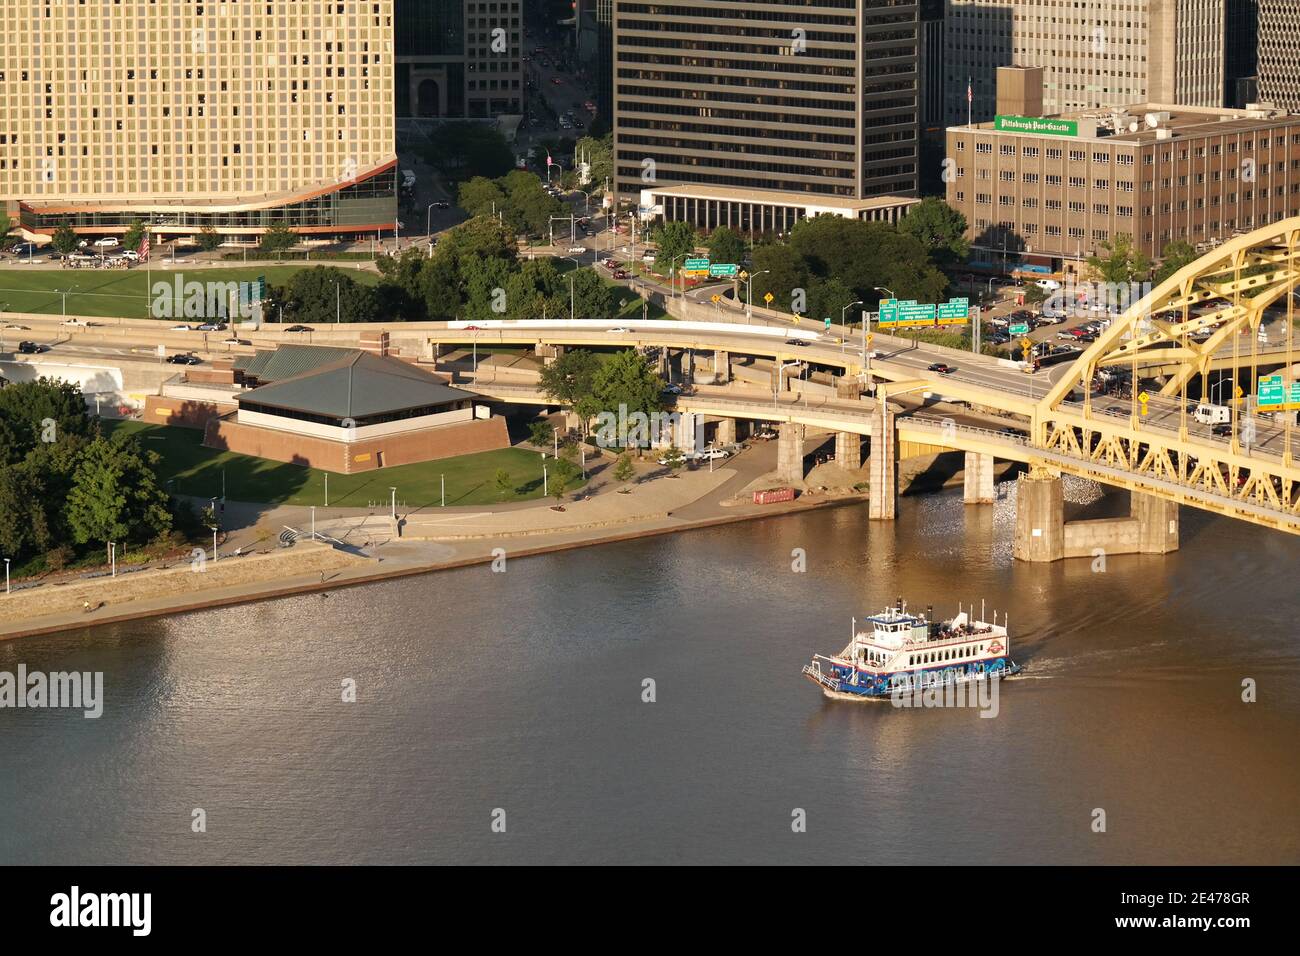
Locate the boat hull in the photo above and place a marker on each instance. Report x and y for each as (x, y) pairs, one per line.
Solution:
(840, 684)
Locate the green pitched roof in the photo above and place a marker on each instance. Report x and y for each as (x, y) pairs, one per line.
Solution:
(290, 360)
(356, 385)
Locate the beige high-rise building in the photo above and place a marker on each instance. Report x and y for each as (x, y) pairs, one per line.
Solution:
(1096, 53)
(187, 114)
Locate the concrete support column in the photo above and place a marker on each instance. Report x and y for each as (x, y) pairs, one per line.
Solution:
(883, 471)
(1157, 523)
(1040, 518)
(726, 432)
(848, 450)
(979, 479)
(722, 367)
(686, 433)
(789, 453)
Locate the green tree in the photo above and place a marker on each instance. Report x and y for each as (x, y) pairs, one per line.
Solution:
(674, 458)
(481, 197)
(277, 238)
(629, 380)
(725, 245)
(570, 376)
(209, 239)
(785, 271)
(592, 297)
(673, 240)
(40, 412)
(1035, 294)
(115, 494)
(64, 239)
(312, 297)
(504, 483)
(23, 527)
(623, 470)
(598, 151)
(939, 228)
(561, 477)
(540, 432)
(134, 236)
(1120, 262)
(439, 288)
(465, 150)
(1174, 256)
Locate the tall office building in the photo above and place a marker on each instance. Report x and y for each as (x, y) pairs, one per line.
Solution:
(1241, 52)
(1279, 53)
(187, 115)
(459, 58)
(1097, 53)
(933, 89)
(818, 99)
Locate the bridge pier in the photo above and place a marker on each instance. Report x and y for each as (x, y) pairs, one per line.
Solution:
(978, 479)
(1157, 521)
(883, 467)
(789, 453)
(686, 432)
(848, 450)
(726, 434)
(721, 367)
(1040, 517)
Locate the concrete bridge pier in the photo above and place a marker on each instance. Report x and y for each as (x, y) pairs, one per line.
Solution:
(883, 467)
(1157, 521)
(722, 367)
(978, 487)
(1040, 517)
(726, 433)
(848, 450)
(789, 453)
(686, 432)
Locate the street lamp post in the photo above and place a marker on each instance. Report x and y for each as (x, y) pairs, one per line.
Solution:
(392, 507)
(749, 295)
(313, 522)
(6, 575)
(428, 220)
(576, 266)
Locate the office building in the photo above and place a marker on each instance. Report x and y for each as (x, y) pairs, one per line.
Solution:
(1049, 192)
(185, 115)
(1279, 53)
(459, 58)
(821, 99)
(1097, 54)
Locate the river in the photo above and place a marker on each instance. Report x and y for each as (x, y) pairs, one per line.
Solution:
(522, 692)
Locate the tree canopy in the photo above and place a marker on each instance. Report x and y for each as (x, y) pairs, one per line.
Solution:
(939, 228)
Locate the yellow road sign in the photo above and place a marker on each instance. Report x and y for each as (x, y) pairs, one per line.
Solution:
(768, 297)
(717, 298)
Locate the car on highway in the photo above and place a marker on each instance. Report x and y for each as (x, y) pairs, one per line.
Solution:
(620, 328)
(181, 328)
(300, 328)
(1014, 432)
(800, 342)
(76, 323)
(212, 327)
(620, 274)
(577, 250)
(32, 348)
(184, 359)
(235, 340)
(1221, 430)
(108, 242)
(941, 367)
(17, 328)
(442, 204)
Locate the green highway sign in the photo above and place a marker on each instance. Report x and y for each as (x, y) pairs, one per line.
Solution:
(724, 270)
(954, 312)
(1274, 394)
(1020, 328)
(696, 265)
(1030, 124)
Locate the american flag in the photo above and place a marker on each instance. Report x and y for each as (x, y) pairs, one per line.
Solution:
(144, 247)
(549, 162)
(970, 94)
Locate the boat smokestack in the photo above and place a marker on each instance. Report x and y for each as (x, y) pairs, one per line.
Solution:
(899, 605)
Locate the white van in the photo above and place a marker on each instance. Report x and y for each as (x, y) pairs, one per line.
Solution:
(1212, 414)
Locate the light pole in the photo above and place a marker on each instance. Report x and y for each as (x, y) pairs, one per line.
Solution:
(442, 479)
(545, 490)
(749, 295)
(6, 575)
(576, 266)
(428, 220)
(64, 293)
(392, 507)
(672, 274)
(587, 210)
(313, 522)
(338, 306)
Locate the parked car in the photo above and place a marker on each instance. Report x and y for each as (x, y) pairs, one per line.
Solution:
(108, 242)
(673, 389)
(76, 323)
(713, 454)
(620, 274)
(16, 328)
(235, 340)
(765, 434)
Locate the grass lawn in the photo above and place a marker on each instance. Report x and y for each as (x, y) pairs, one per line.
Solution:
(471, 479)
(110, 293)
